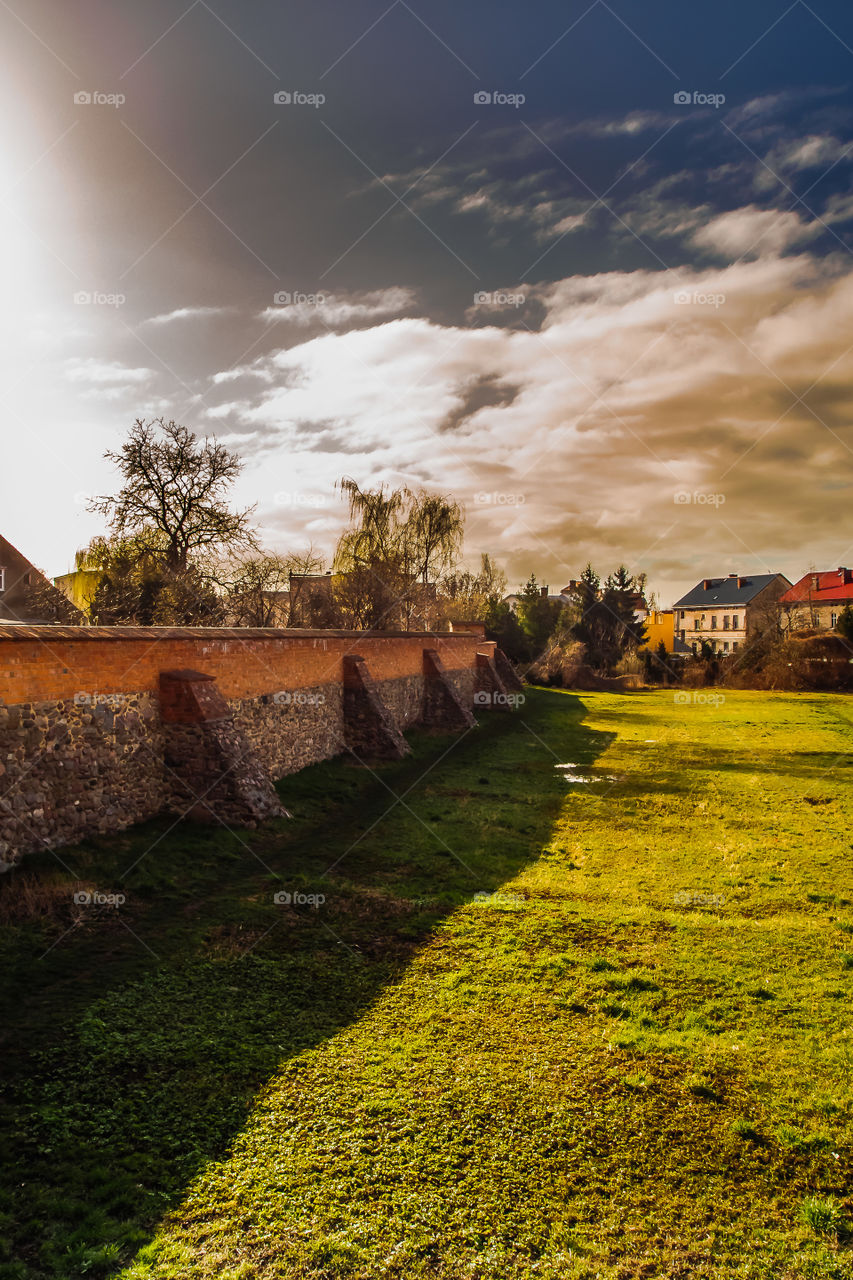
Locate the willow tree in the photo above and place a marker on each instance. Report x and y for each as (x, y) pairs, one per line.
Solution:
(398, 543)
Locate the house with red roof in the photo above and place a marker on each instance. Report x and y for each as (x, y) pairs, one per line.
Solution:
(814, 603)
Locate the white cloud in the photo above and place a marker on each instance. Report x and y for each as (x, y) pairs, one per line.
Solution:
(754, 230)
(625, 397)
(105, 376)
(187, 313)
(333, 311)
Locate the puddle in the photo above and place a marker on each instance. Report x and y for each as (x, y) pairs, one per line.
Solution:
(570, 776)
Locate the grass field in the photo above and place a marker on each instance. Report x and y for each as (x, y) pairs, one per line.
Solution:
(550, 1021)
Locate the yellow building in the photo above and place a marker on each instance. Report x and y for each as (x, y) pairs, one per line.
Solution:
(79, 586)
(660, 628)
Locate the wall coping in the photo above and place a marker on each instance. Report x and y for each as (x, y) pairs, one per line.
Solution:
(49, 632)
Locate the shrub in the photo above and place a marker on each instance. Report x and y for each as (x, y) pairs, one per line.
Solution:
(824, 1216)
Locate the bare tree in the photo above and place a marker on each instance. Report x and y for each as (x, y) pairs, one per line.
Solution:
(173, 497)
(472, 596)
(258, 591)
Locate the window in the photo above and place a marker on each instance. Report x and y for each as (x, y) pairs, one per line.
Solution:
(682, 615)
(695, 624)
(735, 623)
(713, 622)
(833, 619)
(726, 622)
(725, 646)
(734, 646)
(683, 636)
(2, 578)
(695, 647)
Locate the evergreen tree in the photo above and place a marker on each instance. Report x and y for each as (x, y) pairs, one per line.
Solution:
(538, 616)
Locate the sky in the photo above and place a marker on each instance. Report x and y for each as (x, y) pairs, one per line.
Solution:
(584, 266)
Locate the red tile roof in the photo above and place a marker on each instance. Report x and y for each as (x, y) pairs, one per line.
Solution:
(821, 588)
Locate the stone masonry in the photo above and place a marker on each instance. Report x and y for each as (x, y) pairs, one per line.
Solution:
(97, 732)
(212, 772)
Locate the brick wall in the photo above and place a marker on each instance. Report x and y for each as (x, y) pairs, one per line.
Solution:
(41, 663)
(81, 731)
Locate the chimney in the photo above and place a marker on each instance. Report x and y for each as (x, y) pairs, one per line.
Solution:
(844, 574)
(707, 583)
(815, 582)
(543, 591)
(742, 582)
(732, 575)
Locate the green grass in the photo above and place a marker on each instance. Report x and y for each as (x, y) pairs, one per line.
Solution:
(629, 1056)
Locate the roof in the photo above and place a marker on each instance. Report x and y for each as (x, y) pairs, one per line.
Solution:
(834, 584)
(733, 590)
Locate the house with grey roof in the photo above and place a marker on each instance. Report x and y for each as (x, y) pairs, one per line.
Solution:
(724, 612)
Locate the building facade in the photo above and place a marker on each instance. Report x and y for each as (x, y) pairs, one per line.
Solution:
(723, 612)
(815, 602)
(21, 584)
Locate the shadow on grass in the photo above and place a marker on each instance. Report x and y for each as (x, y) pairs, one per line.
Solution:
(136, 1039)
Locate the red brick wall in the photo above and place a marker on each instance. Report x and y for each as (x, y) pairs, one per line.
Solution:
(39, 664)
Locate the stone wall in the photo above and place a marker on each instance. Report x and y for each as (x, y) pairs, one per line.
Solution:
(70, 768)
(83, 744)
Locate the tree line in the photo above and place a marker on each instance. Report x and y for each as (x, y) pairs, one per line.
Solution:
(175, 552)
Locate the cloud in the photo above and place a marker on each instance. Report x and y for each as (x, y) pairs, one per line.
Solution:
(187, 313)
(334, 311)
(753, 230)
(638, 386)
(106, 379)
(483, 391)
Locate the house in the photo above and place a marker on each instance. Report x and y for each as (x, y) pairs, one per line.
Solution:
(723, 612)
(660, 630)
(80, 586)
(26, 596)
(515, 598)
(815, 602)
